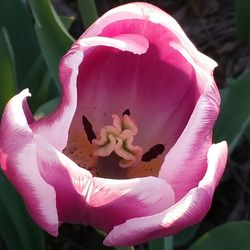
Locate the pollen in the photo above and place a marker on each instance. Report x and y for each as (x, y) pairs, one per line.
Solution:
(118, 138)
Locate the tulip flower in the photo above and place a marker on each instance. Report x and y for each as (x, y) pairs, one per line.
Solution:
(129, 149)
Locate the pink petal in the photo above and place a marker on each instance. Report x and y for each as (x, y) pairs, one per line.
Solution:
(112, 202)
(148, 12)
(188, 211)
(71, 183)
(55, 126)
(18, 159)
(134, 43)
(186, 162)
(217, 159)
(102, 203)
(167, 79)
(115, 30)
(149, 83)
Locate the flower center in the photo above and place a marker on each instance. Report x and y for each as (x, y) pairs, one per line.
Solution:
(114, 147)
(119, 138)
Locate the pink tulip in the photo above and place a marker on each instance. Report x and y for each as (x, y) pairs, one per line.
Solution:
(129, 149)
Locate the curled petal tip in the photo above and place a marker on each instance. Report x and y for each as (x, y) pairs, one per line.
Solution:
(134, 43)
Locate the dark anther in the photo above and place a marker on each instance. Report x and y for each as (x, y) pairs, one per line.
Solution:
(153, 152)
(88, 129)
(126, 112)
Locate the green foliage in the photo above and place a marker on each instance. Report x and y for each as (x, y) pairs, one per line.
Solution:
(88, 12)
(31, 69)
(243, 20)
(247, 132)
(53, 38)
(40, 84)
(7, 69)
(185, 235)
(229, 236)
(235, 111)
(161, 244)
(67, 21)
(14, 16)
(17, 229)
(124, 248)
(47, 108)
(39, 80)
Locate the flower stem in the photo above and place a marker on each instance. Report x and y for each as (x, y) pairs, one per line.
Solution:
(169, 243)
(162, 244)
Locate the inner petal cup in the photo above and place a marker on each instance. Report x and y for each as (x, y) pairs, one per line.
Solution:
(159, 87)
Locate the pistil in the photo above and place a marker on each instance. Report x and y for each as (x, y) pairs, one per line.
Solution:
(118, 138)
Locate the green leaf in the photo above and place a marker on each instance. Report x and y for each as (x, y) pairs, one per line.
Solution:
(67, 21)
(124, 248)
(185, 235)
(31, 68)
(88, 12)
(47, 108)
(40, 84)
(243, 20)
(247, 132)
(16, 228)
(230, 236)
(15, 17)
(53, 38)
(235, 111)
(162, 244)
(7, 69)
(157, 244)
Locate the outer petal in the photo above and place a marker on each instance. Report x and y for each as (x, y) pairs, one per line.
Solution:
(188, 211)
(149, 12)
(102, 203)
(186, 162)
(71, 183)
(112, 202)
(18, 159)
(55, 126)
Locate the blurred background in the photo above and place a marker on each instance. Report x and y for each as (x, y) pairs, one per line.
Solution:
(215, 27)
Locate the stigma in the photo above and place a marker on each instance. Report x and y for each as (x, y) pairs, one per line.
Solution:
(118, 138)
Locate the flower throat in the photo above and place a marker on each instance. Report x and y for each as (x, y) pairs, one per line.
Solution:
(112, 154)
